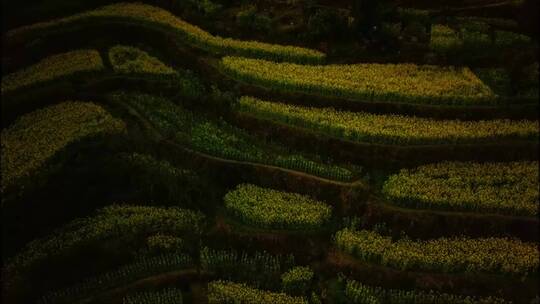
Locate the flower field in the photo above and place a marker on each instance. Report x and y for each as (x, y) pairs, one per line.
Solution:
(359, 293)
(367, 82)
(388, 129)
(223, 292)
(271, 209)
(36, 137)
(138, 12)
(505, 188)
(53, 67)
(222, 139)
(459, 254)
(270, 152)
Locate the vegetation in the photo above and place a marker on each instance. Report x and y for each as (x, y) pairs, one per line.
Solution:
(506, 188)
(165, 296)
(126, 59)
(52, 68)
(388, 129)
(143, 13)
(200, 168)
(272, 209)
(259, 269)
(144, 267)
(111, 222)
(221, 139)
(358, 293)
(297, 280)
(369, 82)
(38, 136)
(458, 254)
(224, 292)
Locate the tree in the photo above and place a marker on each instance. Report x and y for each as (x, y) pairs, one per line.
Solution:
(369, 16)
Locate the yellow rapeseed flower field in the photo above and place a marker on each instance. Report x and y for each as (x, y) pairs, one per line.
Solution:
(369, 81)
(507, 188)
(54, 67)
(458, 254)
(389, 129)
(36, 137)
(156, 16)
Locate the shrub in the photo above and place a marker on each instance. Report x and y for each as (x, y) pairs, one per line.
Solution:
(388, 129)
(53, 67)
(126, 59)
(297, 280)
(36, 137)
(161, 243)
(272, 209)
(458, 254)
(371, 82)
(506, 188)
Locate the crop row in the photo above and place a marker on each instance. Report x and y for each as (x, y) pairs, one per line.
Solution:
(260, 269)
(221, 139)
(142, 13)
(165, 296)
(366, 82)
(111, 222)
(358, 293)
(128, 273)
(459, 254)
(54, 67)
(273, 209)
(472, 35)
(36, 137)
(388, 129)
(224, 292)
(506, 188)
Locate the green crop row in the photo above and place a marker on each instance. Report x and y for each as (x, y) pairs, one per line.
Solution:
(506, 188)
(165, 296)
(259, 269)
(143, 13)
(472, 35)
(36, 137)
(142, 268)
(358, 293)
(459, 254)
(226, 141)
(224, 292)
(221, 139)
(388, 129)
(273, 209)
(367, 82)
(127, 59)
(111, 222)
(53, 67)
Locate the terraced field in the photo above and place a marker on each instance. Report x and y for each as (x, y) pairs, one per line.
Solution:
(149, 159)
